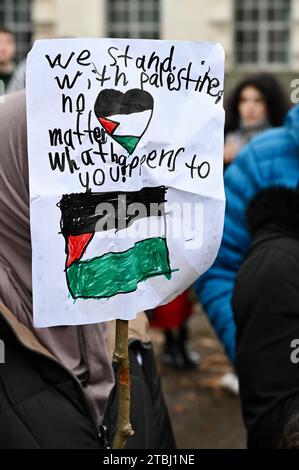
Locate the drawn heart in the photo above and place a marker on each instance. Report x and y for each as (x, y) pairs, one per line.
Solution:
(124, 116)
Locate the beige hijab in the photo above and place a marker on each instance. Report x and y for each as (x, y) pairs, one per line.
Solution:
(81, 349)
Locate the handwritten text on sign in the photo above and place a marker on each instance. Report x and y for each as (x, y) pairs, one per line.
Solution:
(153, 72)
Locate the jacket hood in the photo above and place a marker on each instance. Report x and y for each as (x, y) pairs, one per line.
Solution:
(292, 122)
(276, 207)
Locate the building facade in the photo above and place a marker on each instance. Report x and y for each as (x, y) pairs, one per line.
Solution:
(256, 34)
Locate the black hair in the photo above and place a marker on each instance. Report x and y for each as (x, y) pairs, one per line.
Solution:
(273, 93)
(277, 206)
(5, 30)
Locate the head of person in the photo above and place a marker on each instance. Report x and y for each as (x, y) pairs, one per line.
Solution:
(256, 99)
(276, 207)
(7, 47)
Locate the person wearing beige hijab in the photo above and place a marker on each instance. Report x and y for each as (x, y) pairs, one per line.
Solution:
(57, 385)
(82, 350)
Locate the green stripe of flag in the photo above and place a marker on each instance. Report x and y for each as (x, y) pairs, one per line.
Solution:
(115, 273)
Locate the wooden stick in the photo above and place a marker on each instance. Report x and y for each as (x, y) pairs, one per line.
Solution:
(121, 358)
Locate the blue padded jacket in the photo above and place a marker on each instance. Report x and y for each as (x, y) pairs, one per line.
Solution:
(270, 159)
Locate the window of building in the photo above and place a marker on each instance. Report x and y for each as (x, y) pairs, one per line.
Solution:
(133, 19)
(16, 16)
(262, 31)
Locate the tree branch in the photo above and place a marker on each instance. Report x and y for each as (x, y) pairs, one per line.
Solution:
(121, 358)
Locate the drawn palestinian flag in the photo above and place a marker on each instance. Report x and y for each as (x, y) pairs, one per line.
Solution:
(124, 116)
(93, 269)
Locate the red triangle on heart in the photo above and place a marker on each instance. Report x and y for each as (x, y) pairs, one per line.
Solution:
(76, 246)
(108, 125)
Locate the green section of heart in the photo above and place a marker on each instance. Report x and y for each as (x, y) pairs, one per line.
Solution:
(127, 142)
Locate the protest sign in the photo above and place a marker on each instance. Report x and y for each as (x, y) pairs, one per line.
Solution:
(125, 144)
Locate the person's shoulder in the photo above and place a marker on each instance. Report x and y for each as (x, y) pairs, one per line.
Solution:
(16, 97)
(259, 162)
(274, 141)
(266, 151)
(279, 142)
(13, 107)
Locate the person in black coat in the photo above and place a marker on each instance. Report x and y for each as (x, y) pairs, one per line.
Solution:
(266, 309)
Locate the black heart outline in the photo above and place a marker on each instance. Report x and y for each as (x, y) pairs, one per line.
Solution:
(117, 107)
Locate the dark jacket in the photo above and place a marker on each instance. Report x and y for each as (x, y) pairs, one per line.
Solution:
(42, 405)
(266, 308)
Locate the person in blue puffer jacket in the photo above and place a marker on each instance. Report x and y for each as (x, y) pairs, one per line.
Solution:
(269, 159)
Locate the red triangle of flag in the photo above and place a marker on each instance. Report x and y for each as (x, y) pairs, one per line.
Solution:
(76, 246)
(110, 126)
